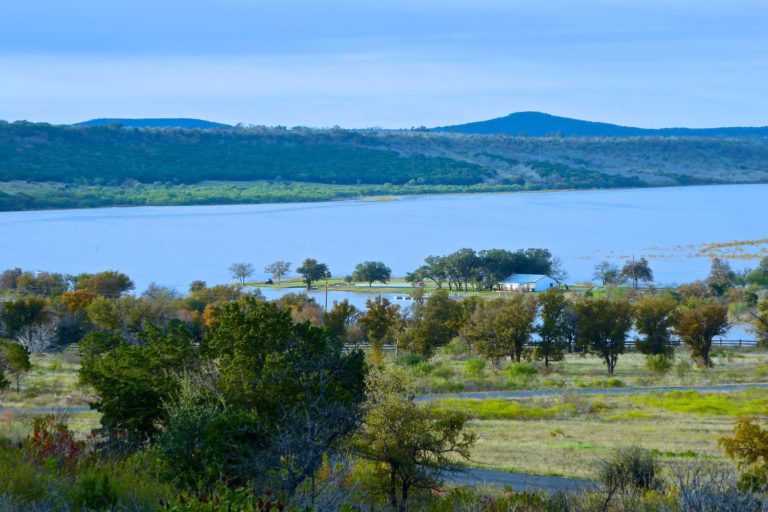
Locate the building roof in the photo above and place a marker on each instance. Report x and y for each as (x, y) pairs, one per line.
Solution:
(524, 278)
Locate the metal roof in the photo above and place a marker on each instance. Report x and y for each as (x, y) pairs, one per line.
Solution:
(524, 278)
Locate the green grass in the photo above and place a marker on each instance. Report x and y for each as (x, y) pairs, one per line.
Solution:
(570, 435)
(52, 382)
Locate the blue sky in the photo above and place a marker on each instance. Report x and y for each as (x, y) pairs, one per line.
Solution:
(393, 63)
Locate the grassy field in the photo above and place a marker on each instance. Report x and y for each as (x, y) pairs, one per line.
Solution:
(446, 373)
(569, 434)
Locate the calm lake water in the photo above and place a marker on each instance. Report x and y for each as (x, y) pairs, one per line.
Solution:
(175, 245)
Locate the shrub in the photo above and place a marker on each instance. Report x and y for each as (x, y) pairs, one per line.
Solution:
(423, 368)
(20, 479)
(409, 359)
(443, 372)
(456, 347)
(630, 469)
(93, 490)
(475, 367)
(523, 369)
(659, 364)
(683, 368)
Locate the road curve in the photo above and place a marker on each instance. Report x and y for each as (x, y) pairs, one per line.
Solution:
(533, 393)
(518, 481)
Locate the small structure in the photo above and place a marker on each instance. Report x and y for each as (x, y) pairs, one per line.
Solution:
(528, 283)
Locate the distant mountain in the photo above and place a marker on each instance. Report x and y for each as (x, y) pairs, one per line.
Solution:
(538, 124)
(155, 123)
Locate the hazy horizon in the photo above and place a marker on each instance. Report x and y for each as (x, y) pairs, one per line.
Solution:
(648, 64)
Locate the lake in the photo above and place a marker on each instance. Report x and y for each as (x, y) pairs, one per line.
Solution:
(175, 245)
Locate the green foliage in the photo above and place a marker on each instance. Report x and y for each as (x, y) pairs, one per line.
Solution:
(743, 403)
(456, 347)
(502, 327)
(521, 369)
(312, 270)
(371, 271)
(93, 490)
(654, 318)
(603, 325)
(409, 359)
(659, 364)
(134, 380)
(474, 367)
(749, 448)
(555, 326)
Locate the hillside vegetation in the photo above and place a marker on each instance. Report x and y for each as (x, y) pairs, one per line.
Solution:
(107, 163)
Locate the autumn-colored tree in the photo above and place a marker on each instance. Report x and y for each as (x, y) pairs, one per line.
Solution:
(749, 448)
(760, 323)
(502, 327)
(697, 323)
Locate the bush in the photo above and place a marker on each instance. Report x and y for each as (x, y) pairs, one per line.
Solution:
(93, 490)
(630, 469)
(659, 364)
(409, 359)
(456, 347)
(443, 372)
(475, 367)
(423, 368)
(683, 368)
(523, 369)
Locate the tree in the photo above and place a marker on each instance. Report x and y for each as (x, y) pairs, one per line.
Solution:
(339, 319)
(607, 274)
(502, 327)
(302, 389)
(760, 323)
(14, 360)
(37, 338)
(21, 313)
(408, 444)
(241, 271)
(371, 271)
(109, 283)
(749, 448)
(603, 325)
(721, 277)
(436, 322)
(134, 381)
(379, 322)
(757, 277)
(278, 269)
(654, 318)
(554, 326)
(697, 323)
(637, 271)
(311, 270)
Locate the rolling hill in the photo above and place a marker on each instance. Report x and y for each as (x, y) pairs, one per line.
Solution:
(154, 123)
(538, 124)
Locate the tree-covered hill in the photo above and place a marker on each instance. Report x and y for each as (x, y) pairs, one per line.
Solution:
(539, 124)
(154, 123)
(111, 160)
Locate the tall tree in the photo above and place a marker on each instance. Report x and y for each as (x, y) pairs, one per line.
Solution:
(553, 331)
(109, 283)
(409, 444)
(502, 327)
(654, 319)
(435, 323)
(241, 271)
(312, 270)
(697, 323)
(278, 269)
(637, 271)
(339, 319)
(608, 274)
(14, 361)
(721, 277)
(603, 326)
(760, 322)
(372, 271)
(380, 321)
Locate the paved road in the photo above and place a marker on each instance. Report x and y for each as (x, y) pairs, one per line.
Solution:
(517, 481)
(481, 395)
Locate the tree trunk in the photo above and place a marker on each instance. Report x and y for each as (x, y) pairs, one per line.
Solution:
(404, 497)
(392, 490)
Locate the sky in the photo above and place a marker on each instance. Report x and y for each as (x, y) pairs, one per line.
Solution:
(392, 64)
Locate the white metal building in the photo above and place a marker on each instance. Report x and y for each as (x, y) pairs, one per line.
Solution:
(528, 283)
